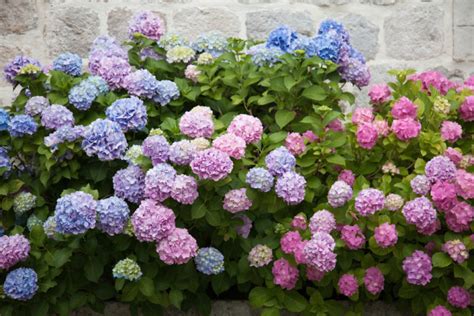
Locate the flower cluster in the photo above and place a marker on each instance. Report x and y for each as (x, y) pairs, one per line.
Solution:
(75, 213)
(209, 261)
(14, 249)
(127, 269)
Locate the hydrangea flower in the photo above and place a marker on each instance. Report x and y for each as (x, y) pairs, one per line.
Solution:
(170, 40)
(75, 213)
(157, 148)
(33, 221)
(318, 252)
(379, 93)
(451, 131)
(369, 201)
(23, 202)
(347, 176)
(466, 110)
(280, 161)
(322, 221)
(192, 73)
(260, 179)
(248, 127)
(334, 27)
(433, 79)
(441, 105)
(99, 83)
(244, 229)
(421, 185)
(459, 297)
(313, 274)
(4, 159)
(201, 143)
(211, 164)
(393, 202)
(362, 115)
(113, 215)
(260, 256)
(21, 284)
(68, 63)
(237, 201)
(141, 83)
(13, 249)
(105, 139)
(284, 274)
(374, 280)
(443, 195)
(440, 168)
(386, 235)
(180, 54)
(177, 248)
(232, 145)
(13, 67)
(34, 106)
(56, 116)
(21, 125)
(404, 108)
(310, 136)
(406, 129)
(127, 269)
(455, 156)
(418, 268)
(282, 37)
(184, 189)
(114, 70)
(353, 236)
(209, 261)
(353, 69)
(419, 212)
(439, 310)
(82, 95)
(291, 187)
(348, 285)
(147, 24)
(328, 46)
(129, 113)
(465, 184)
(299, 222)
(339, 194)
(289, 242)
(197, 123)
(456, 250)
(205, 59)
(182, 152)
(152, 221)
(166, 91)
(367, 135)
(213, 43)
(295, 143)
(49, 227)
(159, 182)
(5, 119)
(133, 154)
(129, 184)
(262, 55)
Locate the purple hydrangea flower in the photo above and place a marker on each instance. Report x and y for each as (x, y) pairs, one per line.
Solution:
(339, 194)
(369, 201)
(21, 284)
(322, 221)
(13, 249)
(197, 123)
(129, 113)
(291, 187)
(418, 268)
(75, 213)
(348, 285)
(64, 134)
(35, 105)
(129, 184)
(318, 252)
(105, 139)
(114, 70)
(237, 201)
(440, 310)
(68, 63)
(374, 280)
(21, 125)
(259, 179)
(355, 71)
(386, 235)
(166, 91)
(419, 212)
(211, 164)
(459, 297)
(159, 182)
(141, 83)
(147, 24)
(113, 215)
(440, 168)
(421, 185)
(157, 148)
(56, 116)
(152, 221)
(182, 152)
(279, 161)
(185, 189)
(12, 69)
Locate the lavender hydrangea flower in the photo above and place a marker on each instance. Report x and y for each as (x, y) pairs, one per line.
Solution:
(291, 187)
(182, 152)
(105, 139)
(34, 106)
(129, 184)
(159, 182)
(279, 161)
(282, 37)
(166, 92)
(262, 55)
(211, 164)
(420, 185)
(21, 284)
(213, 43)
(318, 252)
(152, 221)
(147, 24)
(68, 63)
(418, 268)
(56, 116)
(141, 83)
(355, 70)
(4, 159)
(13, 249)
(440, 168)
(237, 201)
(157, 148)
(322, 221)
(369, 201)
(419, 212)
(339, 194)
(21, 125)
(129, 113)
(64, 134)
(113, 215)
(260, 179)
(209, 261)
(12, 69)
(185, 189)
(114, 70)
(75, 213)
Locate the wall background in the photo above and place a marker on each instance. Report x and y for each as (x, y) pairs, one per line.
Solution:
(422, 34)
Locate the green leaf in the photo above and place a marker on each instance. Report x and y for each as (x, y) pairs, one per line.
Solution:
(147, 287)
(40, 309)
(176, 298)
(220, 283)
(277, 137)
(93, 269)
(337, 160)
(295, 302)
(198, 210)
(259, 296)
(408, 291)
(283, 117)
(315, 93)
(270, 312)
(441, 260)
(60, 257)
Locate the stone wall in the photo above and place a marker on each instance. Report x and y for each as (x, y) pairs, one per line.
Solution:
(391, 33)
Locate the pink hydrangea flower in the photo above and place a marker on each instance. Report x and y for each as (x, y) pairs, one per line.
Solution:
(237, 201)
(335, 126)
(184, 189)
(192, 73)
(386, 235)
(456, 250)
(211, 164)
(284, 274)
(459, 217)
(367, 135)
(419, 212)
(197, 122)
(465, 184)
(322, 221)
(310, 136)
(232, 145)
(152, 221)
(313, 274)
(347, 176)
(454, 155)
(439, 310)
(247, 127)
(318, 252)
(369, 201)
(382, 127)
(374, 280)
(379, 93)
(362, 115)
(443, 194)
(418, 268)
(13, 249)
(348, 285)
(178, 247)
(406, 129)
(404, 108)
(146, 23)
(289, 242)
(451, 131)
(466, 110)
(459, 297)
(299, 252)
(433, 79)
(294, 142)
(353, 237)
(299, 222)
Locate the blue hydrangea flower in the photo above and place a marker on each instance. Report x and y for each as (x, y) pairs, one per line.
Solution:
(113, 215)
(69, 63)
(213, 43)
(332, 26)
(82, 95)
(4, 159)
(56, 116)
(12, 69)
(21, 125)
(4, 120)
(99, 83)
(166, 92)
(209, 261)
(129, 113)
(279, 161)
(63, 134)
(282, 37)
(328, 47)
(21, 284)
(127, 269)
(262, 55)
(305, 43)
(141, 83)
(36, 105)
(75, 213)
(260, 179)
(105, 139)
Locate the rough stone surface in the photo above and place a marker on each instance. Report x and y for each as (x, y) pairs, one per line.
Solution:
(260, 23)
(364, 34)
(415, 32)
(17, 16)
(116, 25)
(71, 29)
(325, 3)
(191, 22)
(257, 1)
(463, 13)
(379, 2)
(463, 49)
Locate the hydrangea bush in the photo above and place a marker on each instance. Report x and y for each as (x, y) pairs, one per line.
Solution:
(172, 172)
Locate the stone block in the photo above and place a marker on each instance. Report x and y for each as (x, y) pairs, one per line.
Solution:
(463, 45)
(364, 34)
(260, 23)
(17, 16)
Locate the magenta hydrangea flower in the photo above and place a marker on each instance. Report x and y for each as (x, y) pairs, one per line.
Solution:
(291, 188)
(322, 221)
(178, 247)
(374, 280)
(232, 145)
(294, 142)
(464, 184)
(284, 274)
(318, 252)
(339, 194)
(348, 285)
(421, 185)
(439, 310)
(248, 127)
(466, 110)
(157, 148)
(313, 274)
(13, 249)
(456, 250)
(184, 189)
(197, 122)
(335, 126)
(289, 242)
(347, 176)
(211, 164)
(362, 115)
(369, 201)
(299, 222)
(237, 201)
(451, 131)
(440, 168)
(404, 108)
(454, 155)
(299, 252)
(379, 93)
(367, 135)
(406, 128)
(433, 79)
(353, 236)
(459, 297)
(418, 268)
(443, 195)
(148, 24)
(310, 136)
(159, 182)
(386, 235)
(152, 221)
(419, 212)
(56, 116)
(129, 184)
(244, 229)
